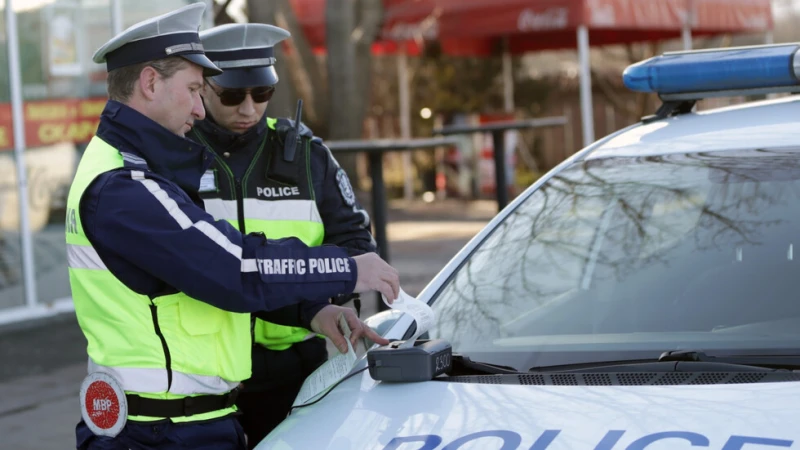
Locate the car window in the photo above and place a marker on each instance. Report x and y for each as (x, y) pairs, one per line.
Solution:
(612, 257)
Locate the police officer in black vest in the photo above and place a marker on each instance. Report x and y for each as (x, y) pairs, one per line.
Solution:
(271, 176)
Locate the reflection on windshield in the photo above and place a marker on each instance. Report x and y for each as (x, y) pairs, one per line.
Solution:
(630, 254)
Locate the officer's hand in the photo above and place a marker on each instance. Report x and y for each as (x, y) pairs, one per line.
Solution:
(375, 274)
(326, 322)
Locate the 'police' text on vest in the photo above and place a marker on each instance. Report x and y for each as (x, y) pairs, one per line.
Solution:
(276, 192)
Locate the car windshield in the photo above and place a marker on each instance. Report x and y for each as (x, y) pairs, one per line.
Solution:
(623, 258)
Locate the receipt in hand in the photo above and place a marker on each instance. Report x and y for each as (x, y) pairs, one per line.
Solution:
(422, 313)
(328, 374)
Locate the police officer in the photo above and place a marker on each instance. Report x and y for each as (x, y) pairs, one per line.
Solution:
(255, 186)
(162, 291)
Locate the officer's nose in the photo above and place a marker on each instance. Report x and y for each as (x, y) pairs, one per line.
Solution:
(198, 110)
(247, 107)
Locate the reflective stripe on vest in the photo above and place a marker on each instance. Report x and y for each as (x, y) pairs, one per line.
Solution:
(276, 217)
(267, 210)
(84, 257)
(142, 342)
(155, 380)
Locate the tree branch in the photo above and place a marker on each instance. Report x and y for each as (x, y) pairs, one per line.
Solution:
(221, 16)
(305, 68)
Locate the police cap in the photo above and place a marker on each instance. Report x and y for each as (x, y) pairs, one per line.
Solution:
(171, 34)
(245, 52)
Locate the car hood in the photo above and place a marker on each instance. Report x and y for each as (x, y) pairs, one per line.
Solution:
(365, 414)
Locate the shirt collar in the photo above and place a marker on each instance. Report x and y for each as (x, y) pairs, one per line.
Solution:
(175, 158)
(223, 139)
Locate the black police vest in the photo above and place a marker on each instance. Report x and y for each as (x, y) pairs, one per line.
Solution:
(256, 202)
(259, 203)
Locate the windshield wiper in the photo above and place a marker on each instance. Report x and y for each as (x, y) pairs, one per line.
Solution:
(683, 355)
(769, 361)
(685, 361)
(463, 365)
(669, 361)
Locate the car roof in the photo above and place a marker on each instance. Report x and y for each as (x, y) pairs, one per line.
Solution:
(762, 124)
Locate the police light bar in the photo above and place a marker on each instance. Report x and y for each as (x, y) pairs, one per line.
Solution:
(693, 75)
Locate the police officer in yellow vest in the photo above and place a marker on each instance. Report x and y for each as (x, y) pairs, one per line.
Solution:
(162, 291)
(255, 187)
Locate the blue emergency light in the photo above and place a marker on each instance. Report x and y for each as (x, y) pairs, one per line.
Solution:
(708, 73)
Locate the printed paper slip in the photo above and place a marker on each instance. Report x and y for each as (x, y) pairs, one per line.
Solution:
(422, 313)
(338, 366)
(326, 375)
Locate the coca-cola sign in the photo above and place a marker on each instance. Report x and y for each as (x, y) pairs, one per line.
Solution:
(755, 21)
(549, 19)
(427, 29)
(602, 13)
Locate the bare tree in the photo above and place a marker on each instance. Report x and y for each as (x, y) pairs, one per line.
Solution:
(351, 27)
(282, 102)
(337, 112)
(221, 16)
(305, 70)
(340, 20)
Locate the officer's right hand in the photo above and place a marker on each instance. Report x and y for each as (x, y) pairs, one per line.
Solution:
(375, 274)
(326, 322)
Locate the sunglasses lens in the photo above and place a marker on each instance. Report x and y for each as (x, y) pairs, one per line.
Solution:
(232, 97)
(263, 94)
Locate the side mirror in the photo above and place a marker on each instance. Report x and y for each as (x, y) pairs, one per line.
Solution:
(383, 321)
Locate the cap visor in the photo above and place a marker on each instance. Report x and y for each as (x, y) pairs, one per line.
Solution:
(247, 77)
(209, 69)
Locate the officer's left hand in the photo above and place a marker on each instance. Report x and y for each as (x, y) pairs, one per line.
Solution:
(326, 322)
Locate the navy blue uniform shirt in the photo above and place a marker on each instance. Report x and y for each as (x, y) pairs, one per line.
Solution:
(147, 224)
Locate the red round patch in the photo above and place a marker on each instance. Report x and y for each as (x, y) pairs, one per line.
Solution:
(102, 404)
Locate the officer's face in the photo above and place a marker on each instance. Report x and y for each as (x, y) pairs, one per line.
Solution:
(238, 118)
(177, 103)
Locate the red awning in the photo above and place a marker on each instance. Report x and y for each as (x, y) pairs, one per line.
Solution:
(481, 18)
(475, 26)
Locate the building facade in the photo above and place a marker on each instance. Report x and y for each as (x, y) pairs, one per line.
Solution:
(62, 95)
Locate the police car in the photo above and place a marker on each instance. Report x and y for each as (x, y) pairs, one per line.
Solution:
(644, 294)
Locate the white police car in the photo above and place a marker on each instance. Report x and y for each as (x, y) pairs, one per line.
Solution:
(644, 294)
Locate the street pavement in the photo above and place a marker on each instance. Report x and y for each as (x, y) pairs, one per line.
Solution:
(44, 362)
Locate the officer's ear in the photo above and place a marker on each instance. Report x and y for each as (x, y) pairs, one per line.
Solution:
(147, 82)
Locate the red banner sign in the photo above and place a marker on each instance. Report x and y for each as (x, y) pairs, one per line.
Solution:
(53, 121)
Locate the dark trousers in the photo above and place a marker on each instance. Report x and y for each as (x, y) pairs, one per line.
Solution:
(277, 377)
(217, 434)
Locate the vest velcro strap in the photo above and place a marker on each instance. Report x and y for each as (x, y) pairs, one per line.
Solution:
(179, 407)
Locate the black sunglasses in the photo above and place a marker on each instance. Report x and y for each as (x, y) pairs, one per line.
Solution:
(234, 97)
